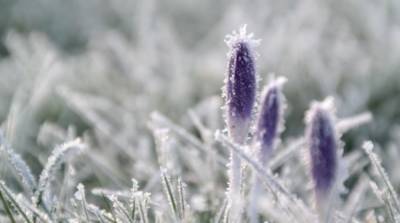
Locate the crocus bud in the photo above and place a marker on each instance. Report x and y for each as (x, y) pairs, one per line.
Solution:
(241, 81)
(240, 94)
(270, 120)
(323, 143)
(269, 126)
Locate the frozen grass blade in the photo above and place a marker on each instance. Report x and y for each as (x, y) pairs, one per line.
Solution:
(143, 206)
(7, 208)
(355, 198)
(158, 121)
(21, 168)
(387, 193)
(59, 155)
(143, 213)
(21, 205)
(81, 197)
(176, 197)
(133, 198)
(121, 211)
(267, 178)
(280, 193)
(240, 95)
(173, 202)
(79, 103)
(107, 192)
(113, 218)
(181, 199)
(347, 124)
(222, 213)
(99, 214)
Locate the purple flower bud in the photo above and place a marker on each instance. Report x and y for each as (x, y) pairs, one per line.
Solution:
(241, 84)
(269, 126)
(270, 119)
(323, 143)
(240, 94)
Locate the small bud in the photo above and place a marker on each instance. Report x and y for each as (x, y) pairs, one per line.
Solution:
(323, 143)
(269, 126)
(270, 120)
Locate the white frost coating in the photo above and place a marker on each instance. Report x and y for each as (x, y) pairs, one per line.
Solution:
(80, 193)
(103, 191)
(59, 155)
(18, 164)
(353, 122)
(241, 36)
(355, 198)
(384, 192)
(122, 214)
(328, 105)
(80, 197)
(276, 81)
(22, 205)
(169, 192)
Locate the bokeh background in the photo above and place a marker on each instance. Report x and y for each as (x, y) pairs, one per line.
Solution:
(98, 68)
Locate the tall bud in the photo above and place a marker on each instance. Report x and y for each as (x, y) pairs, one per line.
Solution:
(240, 94)
(241, 81)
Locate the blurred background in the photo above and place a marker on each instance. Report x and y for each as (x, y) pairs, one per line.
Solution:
(98, 68)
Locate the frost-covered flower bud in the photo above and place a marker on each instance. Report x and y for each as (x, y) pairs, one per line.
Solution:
(240, 95)
(270, 120)
(323, 145)
(269, 126)
(241, 84)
